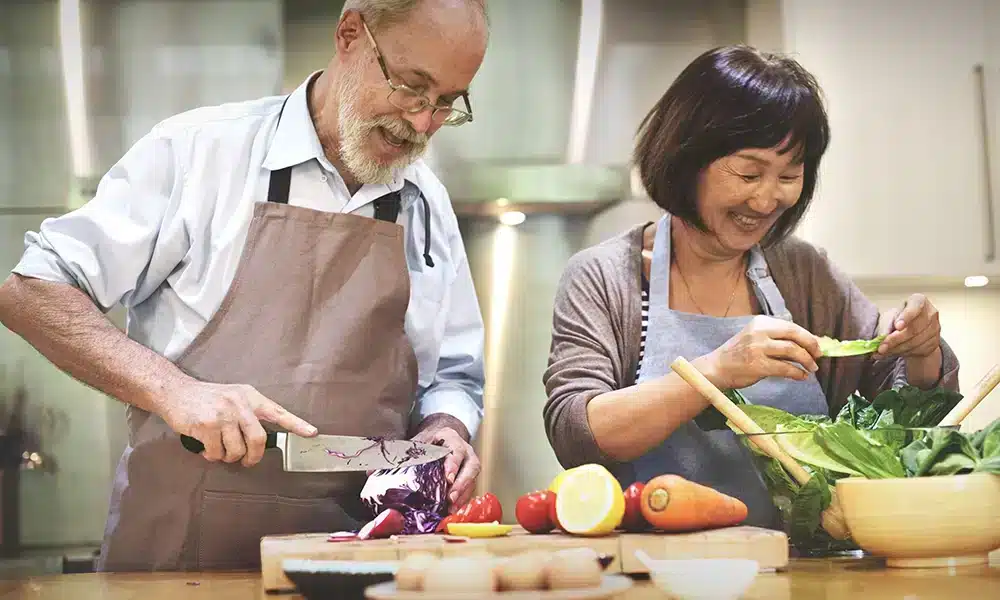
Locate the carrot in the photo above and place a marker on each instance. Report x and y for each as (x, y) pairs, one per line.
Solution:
(672, 503)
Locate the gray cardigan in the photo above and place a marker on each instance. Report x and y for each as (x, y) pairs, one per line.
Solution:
(597, 320)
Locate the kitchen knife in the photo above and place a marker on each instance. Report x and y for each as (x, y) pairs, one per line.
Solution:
(332, 453)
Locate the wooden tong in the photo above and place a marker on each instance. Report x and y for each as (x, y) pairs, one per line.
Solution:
(833, 517)
(956, 415)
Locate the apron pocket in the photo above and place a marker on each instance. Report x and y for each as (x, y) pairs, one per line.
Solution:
(231, 525)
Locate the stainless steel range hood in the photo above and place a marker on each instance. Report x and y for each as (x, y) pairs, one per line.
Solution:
(532, 100)
(128, 64)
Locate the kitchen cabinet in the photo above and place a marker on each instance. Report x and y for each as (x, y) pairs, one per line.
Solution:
(905, 186)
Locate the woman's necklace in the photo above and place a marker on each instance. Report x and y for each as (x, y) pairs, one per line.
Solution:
(732, 296)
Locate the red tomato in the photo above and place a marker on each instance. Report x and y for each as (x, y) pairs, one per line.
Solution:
(633, 519)
(552, 514)
(532, 511)
(481, 509)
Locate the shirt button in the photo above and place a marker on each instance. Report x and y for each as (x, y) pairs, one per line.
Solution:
(323, 178)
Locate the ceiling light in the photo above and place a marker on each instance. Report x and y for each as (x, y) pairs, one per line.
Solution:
(976, 281)
(512, 217)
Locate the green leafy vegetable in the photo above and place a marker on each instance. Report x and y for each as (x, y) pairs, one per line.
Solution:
(894, 435)
(834, 348)
(912, 407)
(862, 454)
(950, 452)
(711, 419)
(808, 505)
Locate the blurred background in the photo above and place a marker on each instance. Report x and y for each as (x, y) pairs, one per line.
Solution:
(907, 199)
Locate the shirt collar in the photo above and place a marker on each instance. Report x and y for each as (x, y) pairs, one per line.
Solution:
(295, 140)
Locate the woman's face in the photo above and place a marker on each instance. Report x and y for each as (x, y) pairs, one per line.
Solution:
(740, 196)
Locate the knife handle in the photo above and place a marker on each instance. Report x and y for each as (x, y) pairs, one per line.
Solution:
(195, 446)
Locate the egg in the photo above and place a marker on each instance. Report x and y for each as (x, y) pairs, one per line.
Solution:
(410, 575)
(525, 571)
(573, 568)
(461, 574)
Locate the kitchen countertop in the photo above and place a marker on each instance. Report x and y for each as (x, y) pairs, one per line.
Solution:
(830, 579)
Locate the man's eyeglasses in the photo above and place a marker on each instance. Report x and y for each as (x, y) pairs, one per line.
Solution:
(407, 99)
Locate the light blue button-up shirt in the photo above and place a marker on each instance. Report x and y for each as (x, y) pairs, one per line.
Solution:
(166, 229)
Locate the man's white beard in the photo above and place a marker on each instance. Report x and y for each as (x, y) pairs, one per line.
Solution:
(354, 132)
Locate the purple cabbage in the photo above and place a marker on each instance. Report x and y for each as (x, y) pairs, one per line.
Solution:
(418, 492)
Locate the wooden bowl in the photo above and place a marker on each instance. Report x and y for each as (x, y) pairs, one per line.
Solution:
(920, 522)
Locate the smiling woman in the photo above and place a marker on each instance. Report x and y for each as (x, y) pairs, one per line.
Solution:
(731, 152)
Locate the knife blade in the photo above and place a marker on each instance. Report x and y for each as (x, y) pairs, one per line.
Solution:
(340, 453)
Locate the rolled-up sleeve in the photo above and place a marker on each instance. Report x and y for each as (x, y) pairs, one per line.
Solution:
(105, 247)
(457, 389)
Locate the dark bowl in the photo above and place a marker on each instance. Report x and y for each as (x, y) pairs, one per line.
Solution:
(321, 579)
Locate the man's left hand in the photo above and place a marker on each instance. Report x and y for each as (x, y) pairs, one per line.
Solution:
(461, 467)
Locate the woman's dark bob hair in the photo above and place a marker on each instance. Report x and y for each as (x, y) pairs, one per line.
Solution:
(728, 99)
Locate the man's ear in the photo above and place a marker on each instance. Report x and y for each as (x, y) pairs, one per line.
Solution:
(350, 32)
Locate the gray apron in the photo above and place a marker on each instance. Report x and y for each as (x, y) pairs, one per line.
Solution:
(714, 458)
(314, 320)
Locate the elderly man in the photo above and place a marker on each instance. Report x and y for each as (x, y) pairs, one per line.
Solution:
(286, 260)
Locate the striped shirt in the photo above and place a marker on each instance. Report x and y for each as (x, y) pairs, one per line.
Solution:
(645, 323)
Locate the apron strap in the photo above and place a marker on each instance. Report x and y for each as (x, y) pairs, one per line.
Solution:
(764, 287)
(387, 207)
(659, 269)
(279, 185)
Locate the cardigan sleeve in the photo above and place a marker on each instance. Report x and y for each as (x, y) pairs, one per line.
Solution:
(584, 358)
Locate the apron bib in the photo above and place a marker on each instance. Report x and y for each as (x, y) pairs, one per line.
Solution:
(714, 458)
(314, 320)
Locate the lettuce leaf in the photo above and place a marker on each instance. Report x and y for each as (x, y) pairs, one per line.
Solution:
(865, 455)
(835, 348)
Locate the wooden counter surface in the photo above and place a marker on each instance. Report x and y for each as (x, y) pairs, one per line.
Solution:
(830, 579)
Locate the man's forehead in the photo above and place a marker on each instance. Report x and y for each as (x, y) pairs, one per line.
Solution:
(445, 48)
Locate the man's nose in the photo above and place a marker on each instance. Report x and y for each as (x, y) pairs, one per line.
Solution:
(420, 121)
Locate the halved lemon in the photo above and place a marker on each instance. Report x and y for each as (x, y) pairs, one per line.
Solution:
(590, 501)
(479, 530)
(557, 481)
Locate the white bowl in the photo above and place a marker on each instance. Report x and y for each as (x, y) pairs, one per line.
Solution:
(703, 578)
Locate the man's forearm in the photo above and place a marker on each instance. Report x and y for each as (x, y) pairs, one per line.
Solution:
(63, 324)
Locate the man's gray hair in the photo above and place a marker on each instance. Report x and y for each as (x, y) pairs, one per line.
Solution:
(382, 13)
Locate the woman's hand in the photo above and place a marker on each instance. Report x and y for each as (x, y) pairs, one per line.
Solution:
(913, 331)
(766, 347)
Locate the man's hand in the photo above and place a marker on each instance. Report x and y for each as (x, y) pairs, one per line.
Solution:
(461, 467)
(226, 419)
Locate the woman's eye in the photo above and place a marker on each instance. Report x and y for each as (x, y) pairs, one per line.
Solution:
(750, 178)
(790, 178)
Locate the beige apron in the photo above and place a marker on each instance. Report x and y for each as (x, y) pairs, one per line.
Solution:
(314, 320)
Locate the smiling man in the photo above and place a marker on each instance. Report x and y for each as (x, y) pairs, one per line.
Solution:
(287, 261)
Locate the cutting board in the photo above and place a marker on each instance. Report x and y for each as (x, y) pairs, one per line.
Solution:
(769, 548)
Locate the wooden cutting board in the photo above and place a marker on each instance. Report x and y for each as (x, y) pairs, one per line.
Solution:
(769, 548)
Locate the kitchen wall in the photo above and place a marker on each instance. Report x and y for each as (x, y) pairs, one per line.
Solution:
(142, 61)
(516, 268)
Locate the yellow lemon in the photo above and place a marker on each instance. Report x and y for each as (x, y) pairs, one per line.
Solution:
(590, 501)
(479, 530)
(554, 486)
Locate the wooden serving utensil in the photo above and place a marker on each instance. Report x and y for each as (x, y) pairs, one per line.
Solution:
(961, 410)
(833, 517)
